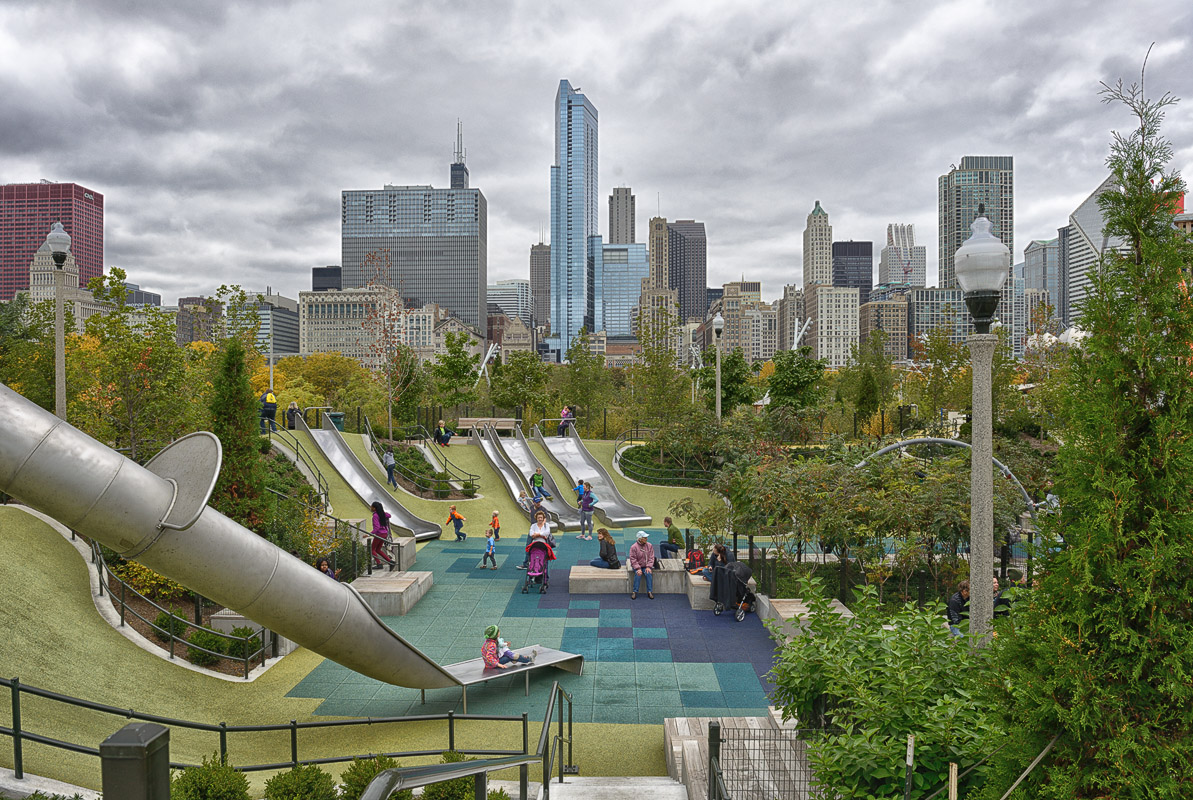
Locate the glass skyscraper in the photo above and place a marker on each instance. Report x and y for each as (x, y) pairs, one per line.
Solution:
(987, 181)
(617, 281)
(574, 222)
(27, 210)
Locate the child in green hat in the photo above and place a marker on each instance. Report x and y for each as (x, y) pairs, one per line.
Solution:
(496, 653)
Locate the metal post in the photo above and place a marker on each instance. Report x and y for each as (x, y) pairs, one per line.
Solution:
(559, 735)
(1031, 546)
(223, 743)
(18, 761)
(294, 742)
(524, 770)
(718, 337)
(981, 489)
(59, 345)
(910, 765)
(122, 605)
(451, 729)
(198, 607)
(136, 762)
(481, 786)
(714, 757)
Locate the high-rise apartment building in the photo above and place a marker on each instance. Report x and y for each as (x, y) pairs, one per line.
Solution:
(429, 244)
(818, 249)
(278, 328)
(1034, 303)
(834, 328)
(890, 317)
(540, 283)
(1085, 243)
(618, 275)
(902, 261)
(791, 316)
(622, 216)
(574, 222)
(513, 297)
(853, 266)
(935, 307)
(27, 210)
(687, 267)
(1041, 268)
(980, 181)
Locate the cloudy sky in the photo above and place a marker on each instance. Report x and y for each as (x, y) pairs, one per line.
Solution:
(221, 134)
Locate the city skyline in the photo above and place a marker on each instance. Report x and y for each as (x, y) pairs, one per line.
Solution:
(221, 156)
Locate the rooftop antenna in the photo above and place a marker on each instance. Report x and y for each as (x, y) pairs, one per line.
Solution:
(461, 153)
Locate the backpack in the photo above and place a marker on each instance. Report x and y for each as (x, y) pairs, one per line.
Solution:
(695, 559)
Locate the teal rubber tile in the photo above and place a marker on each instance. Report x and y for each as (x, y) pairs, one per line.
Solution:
(659, 697)
(583, 622)
(647, 673)
(628, 697)
(652, 656)
(615, 618)
(654, 715)
(705, 699)
(584, 604)
(698, 683)
(610, 713)
(650, 633)
(689, 669)
(341, 708)
(609, 682)
(309, 688)
(754, 699)
(581, 714)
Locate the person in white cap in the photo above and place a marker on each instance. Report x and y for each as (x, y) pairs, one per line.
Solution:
(641, 561)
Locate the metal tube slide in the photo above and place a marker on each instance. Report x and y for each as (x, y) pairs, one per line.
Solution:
(578, 464)
(519, 454)
(337, 452)
(510, 478)
(142, 513)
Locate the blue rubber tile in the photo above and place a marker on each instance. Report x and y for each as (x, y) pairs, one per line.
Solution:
(651, 644)
(614, 633)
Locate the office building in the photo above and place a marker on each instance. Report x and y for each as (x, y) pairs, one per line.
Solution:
(196, 319)
(834, 329)
(326, 278)
(540, 284)
(459, 170)
(40, 275)
(791, 316)
(1085, 244)
(429, 244)
(936, 307)
(136, 296)
(658, 303)
(513, 297)
(27, 210)
(277, 331)
(890, 317)
(981, 182)
(1035, 305)
(622, 216)
(1041, 268)
(1019, 320)
(902, 261)
(715, 293)
(853, 266)
(618, 274)
(760, 331)
(818, 249)
(574, 222)
(687, 267)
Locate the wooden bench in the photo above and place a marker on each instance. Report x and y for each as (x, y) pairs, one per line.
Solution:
(507, 424)
(471, 672)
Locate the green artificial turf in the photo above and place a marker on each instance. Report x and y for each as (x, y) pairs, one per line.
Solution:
(56, 640)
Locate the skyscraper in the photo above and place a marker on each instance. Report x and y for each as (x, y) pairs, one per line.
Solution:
(687, 267)
(617, 281)
(513, 297)
(429, 244)
(902, 261)
(574, 223)
(1041, 270)
(987, 181)
(818, 249)
(540, 283)
(1085, 243)
(621, 216)
(853, 267)
(27, 210)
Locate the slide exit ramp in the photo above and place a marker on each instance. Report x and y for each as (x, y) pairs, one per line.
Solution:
(517, 450)
(331, 443)
(570, 454)
(158, 515)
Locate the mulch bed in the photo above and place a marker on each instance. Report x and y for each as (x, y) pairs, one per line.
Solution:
(408, 485)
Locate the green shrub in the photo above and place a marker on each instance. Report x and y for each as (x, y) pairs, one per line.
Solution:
(210, 640)
(456, 789)
(468, 488)
(354, 779)
(211, 781)
(245, 649)
(149, 583)
(44, 796)
(167, 623)
(442, 487)
(264, 445)
(497, 794)
(301, 783)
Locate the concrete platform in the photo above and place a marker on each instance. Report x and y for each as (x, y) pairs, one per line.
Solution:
(393, 594)
(597, 580)
(402, 548)
(698, 590)
(792, 613)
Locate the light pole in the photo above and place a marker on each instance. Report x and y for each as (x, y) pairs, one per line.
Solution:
(982, 263)
(59, 241)
(718, 327)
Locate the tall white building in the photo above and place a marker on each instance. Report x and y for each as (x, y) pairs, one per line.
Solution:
(818, 249)
(1085, 243)
(791, 316)
(902, 261)
(834, 330)
(513, 297)
(80, 302)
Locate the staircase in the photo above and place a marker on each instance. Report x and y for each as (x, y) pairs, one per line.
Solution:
(575, 788)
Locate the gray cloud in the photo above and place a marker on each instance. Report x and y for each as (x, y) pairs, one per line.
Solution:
(222, 134)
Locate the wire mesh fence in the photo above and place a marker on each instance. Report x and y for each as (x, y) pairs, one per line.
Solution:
(767, 764)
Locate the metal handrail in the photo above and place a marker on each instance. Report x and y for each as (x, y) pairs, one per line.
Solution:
(19, 734)
(453, 472)
(456, 472)
(291, 441)
(337, 522)
(696, 476)
(101, 566)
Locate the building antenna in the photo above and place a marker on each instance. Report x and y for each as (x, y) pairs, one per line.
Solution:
(461, 153)
(659, 197)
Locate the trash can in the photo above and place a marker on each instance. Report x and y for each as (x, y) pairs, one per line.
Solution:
(337, 419)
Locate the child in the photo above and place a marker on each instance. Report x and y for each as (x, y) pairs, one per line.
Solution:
(524, 502)
(537, 484)
(494, 658)
(496, 526)
(490, 551)
(506, 654)
(455, 518)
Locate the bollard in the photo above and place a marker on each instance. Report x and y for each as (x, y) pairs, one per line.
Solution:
(136, 762)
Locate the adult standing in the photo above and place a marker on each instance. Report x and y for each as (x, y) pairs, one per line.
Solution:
(269, 411)
(387, 461)
(587, 506)
(641, 560)
(292, 414)
(539, 530)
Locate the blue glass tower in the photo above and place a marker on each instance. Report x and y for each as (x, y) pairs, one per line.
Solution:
(617, 285)
(574, 224)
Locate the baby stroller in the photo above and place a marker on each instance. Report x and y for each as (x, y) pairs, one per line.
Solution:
(537, 571)
(731, 589)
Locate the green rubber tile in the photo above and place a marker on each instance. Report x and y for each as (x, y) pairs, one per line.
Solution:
(654, 715)
(755, 699)
(649, 672)
(342, 708)
(608, 682)
(650, 633)
(387, 692)
(687, 669)
(656, 656)
(583, 622)
(698, 683)
(353, 691)
(659, 697)
(611, 713)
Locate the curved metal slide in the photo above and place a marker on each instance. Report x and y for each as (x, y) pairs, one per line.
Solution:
(570, 454)
(515, 453)
(331, 443)
(158, 515)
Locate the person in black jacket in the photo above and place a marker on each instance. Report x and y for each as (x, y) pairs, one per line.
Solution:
(269, 411)
(608, 558)
(958, 608)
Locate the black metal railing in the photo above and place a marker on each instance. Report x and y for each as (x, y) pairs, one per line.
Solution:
(291, 441)
(17, 731)
(754, 764)
(392, 780)
(652, 474)
(423, 484)
(346, 535)
(235, 644)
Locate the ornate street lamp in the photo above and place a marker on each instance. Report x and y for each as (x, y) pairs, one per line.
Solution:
(982, 264)
(59, 241)
(718, 327)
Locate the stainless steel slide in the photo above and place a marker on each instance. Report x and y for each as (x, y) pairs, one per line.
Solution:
(518, 453)
(574, 459)
(331, 443)
(509, 476)
(158, 515)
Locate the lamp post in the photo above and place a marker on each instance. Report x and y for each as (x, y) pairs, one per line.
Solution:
(718, 327)
(59, 241)
(982, 263)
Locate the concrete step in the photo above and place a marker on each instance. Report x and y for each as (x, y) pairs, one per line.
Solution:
(628, 788)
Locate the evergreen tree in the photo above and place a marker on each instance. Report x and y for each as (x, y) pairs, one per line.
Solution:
(236, 420)
(1102, 656)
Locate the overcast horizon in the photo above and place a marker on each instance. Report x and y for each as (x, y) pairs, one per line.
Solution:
(221, 135)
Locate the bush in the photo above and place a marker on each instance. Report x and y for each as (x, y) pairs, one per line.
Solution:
(210, 640)
(44, 796)
(264, 445)
(442, 486)
(301, 783)
(167, 623)
(457, 789)
(213, 780)
(245, 649)
(497, 794)
(468, 488)
(354, 779)
(149, 583)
